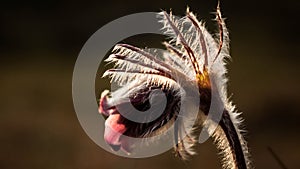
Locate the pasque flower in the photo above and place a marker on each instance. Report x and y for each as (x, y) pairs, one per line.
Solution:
(193, 57)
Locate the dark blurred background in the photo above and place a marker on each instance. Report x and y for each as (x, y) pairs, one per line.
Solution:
(39, 44)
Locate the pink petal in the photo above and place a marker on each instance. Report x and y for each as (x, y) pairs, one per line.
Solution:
(113, 131)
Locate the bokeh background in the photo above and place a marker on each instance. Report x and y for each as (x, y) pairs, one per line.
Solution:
(39, 44)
